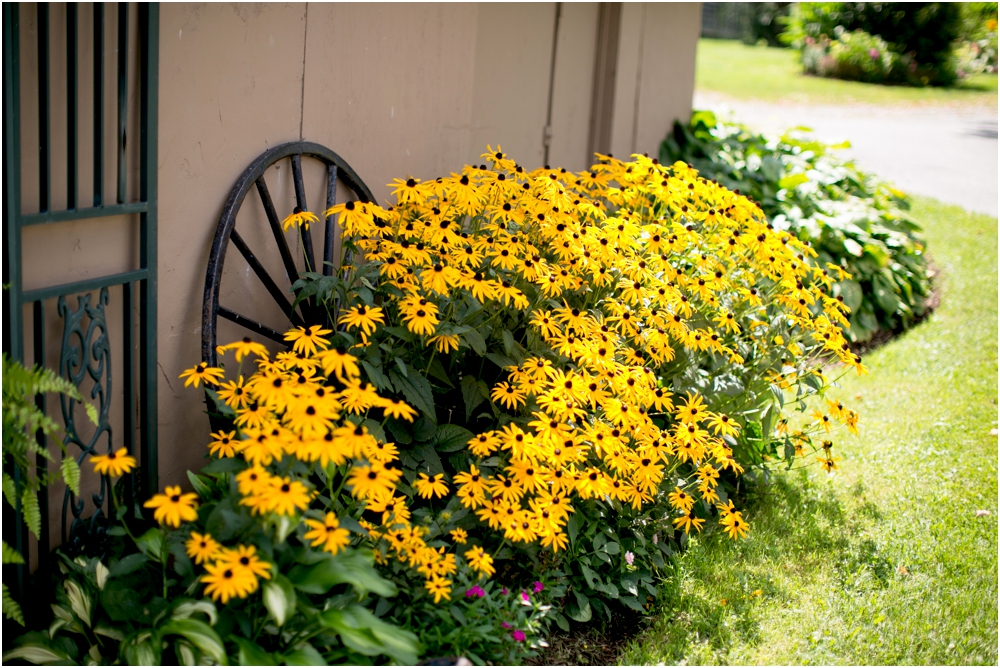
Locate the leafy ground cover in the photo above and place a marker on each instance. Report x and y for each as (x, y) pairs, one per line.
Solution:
(893, 559)
(772, 74)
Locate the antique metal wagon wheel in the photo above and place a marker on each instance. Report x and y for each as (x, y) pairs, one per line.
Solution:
(306, 313)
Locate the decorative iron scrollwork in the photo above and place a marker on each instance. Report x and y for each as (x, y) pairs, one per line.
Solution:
(86, 352)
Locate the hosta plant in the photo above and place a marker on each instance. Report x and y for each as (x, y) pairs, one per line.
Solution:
(848, 217)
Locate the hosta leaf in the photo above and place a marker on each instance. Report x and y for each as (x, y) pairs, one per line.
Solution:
(199, 634)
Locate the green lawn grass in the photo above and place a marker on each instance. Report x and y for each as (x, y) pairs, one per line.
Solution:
(772, 74)
(886, 562)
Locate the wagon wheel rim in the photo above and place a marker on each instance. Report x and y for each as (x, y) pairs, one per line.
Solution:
(226, 233)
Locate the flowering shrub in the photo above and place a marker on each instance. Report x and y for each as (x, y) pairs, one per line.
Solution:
(835, 37)
(540, 383)
(854, 55)
(849, 218)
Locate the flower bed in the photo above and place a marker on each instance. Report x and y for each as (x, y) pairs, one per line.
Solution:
(541, 383)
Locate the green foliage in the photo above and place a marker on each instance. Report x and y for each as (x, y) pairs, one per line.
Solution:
(849, 217)
(139, 610)
(23, 420)
(921, 35)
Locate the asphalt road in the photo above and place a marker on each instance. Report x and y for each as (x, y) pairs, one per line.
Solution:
(946, 153)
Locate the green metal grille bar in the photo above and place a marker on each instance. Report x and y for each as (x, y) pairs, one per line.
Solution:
(122, 94)
(82, 214)
(44, 118)
(98, 103)
(138, 286)
(67, 289)
(72, 148)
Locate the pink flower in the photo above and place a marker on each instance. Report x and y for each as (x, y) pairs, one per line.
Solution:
(656, 538)
(518, 636)
(539, 587)
(475, 591)
(504, 591)
(526, 597)
(629, 558)
(505, 625)
(873, 53)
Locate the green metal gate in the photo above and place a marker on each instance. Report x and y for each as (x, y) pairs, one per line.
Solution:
(86, 347)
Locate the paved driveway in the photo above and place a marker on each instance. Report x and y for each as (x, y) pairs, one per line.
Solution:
(946, 153)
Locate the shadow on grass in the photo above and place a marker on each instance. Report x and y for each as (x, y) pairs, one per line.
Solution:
(713, 596)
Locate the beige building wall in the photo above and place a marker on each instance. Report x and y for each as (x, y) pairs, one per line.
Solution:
(396, 90)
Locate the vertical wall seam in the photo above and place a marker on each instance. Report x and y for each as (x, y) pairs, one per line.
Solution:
(638, 81)
(302, 99)
(547, 131)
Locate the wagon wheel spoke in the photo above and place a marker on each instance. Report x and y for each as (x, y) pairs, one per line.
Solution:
(300, 201)
(252, 325)
(331, 200)
(279, 236)
(265, 278)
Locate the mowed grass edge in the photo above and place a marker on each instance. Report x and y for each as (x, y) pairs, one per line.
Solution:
(888, 560)
(772, 74)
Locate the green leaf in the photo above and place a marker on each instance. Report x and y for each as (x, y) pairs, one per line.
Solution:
(417, 391)
(199, 634)
(512, 347)
(305, 655)
(279, 598)
(583, 610)
(200, 486)
(226, 465)
(10, 555)
(11, 609)
(30, 511)
(151, 544)
(588, 575)
(252, 654)
(91, 413)
(501, 361)
(37, 654)
(612, 548)
(792, 181)
(186, 609)
(366, 634)
(473, 393)
(142, 650)
(376, 376)
(352, 567)
(121, 601)
(129, 564)
(573, 528)
(71, 473)
(109, 632)
(851, 292)
(452, 438)
(475, 341)
(632, 602)
(9, 490)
